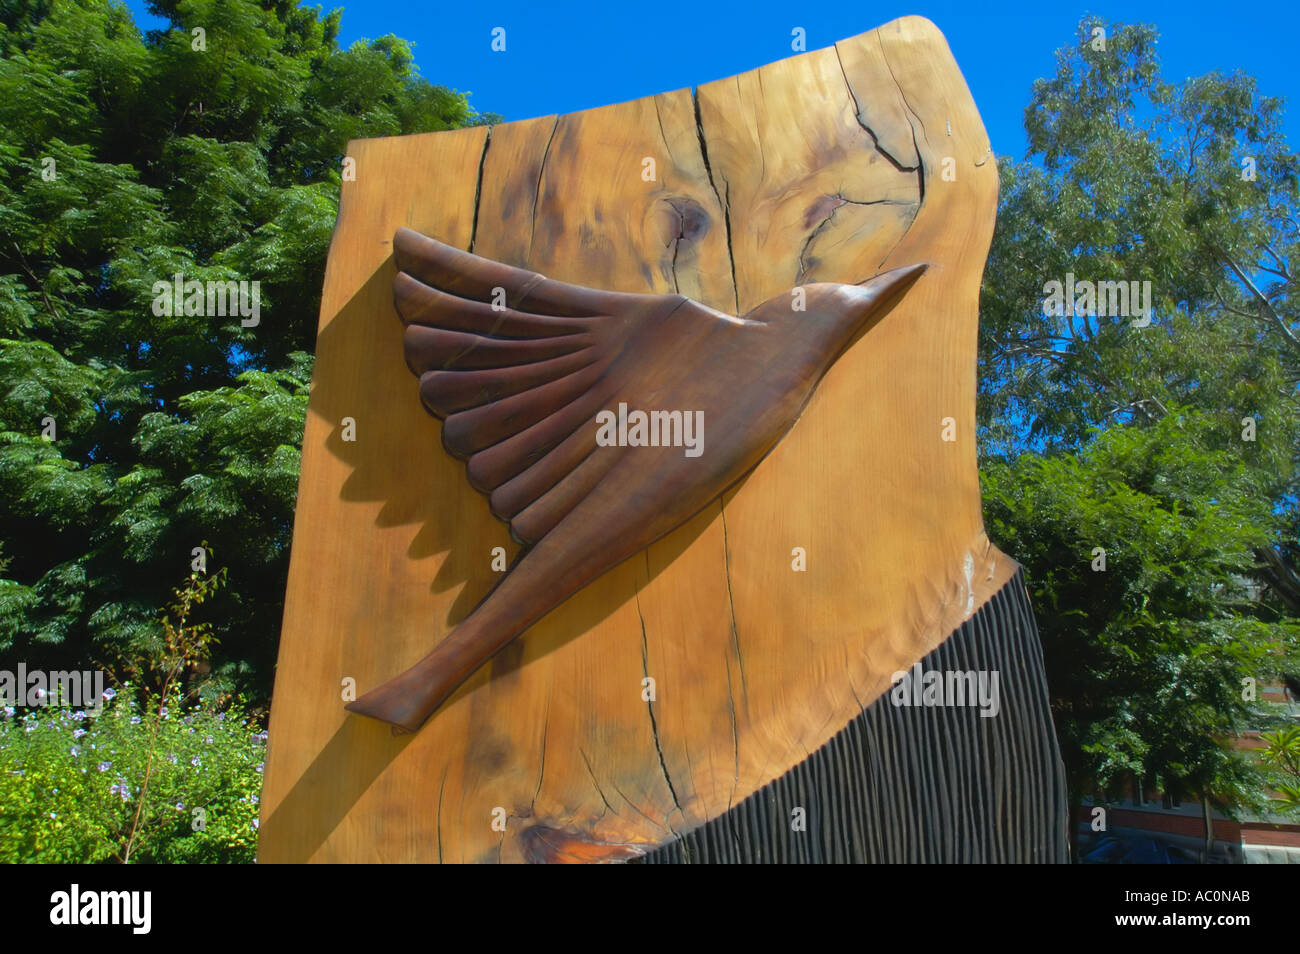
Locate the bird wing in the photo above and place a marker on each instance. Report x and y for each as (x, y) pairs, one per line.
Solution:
(517, 366)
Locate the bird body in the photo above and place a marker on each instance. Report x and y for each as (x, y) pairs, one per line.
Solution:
(525, 373)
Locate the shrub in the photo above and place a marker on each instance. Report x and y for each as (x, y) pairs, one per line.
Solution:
(160, 782)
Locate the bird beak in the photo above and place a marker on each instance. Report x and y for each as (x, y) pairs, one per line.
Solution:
(887, 286)
(871, 299)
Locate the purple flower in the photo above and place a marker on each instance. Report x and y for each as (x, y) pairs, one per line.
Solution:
(260, 766)
(75, 750)
(9, 710)
(78, 733)
(79, 715)
(196, 761)
(105, 766)
(135, 720)
(256, 823)
(172, 758)
(110, 693)
(180, 806)
(122, 789)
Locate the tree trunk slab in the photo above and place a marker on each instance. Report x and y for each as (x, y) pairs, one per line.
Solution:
(834, 165)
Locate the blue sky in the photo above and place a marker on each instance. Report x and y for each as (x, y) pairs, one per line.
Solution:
(573, 56)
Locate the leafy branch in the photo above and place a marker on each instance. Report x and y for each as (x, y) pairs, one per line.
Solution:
(184, 646)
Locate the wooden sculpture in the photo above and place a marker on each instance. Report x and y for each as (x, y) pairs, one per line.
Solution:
(725, 688)
(522, 388)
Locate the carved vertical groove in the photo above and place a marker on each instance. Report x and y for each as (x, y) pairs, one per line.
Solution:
(912, 784)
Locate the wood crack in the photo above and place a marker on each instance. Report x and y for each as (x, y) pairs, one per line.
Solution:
(843, 200)
(857, 114)
(731, 602)
(541, 772)
(438, 813)
(637, 809)
(724, 203)
(599, 791)
(854, 689)
(920, 160)
(735, 733)
(478, 188)
(919, 168)
(812, 237)
(650, 706)
(537, 194)
(663, 135)
(677, 243)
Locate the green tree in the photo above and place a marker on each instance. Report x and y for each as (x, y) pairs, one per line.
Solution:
(1282, 755)
(1131, 178)
(1172, 445)
(1139, 552)
(128, 437)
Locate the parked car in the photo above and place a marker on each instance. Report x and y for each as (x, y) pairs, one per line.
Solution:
(1114, 849)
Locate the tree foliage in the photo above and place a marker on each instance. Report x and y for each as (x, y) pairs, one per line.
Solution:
(1135, 179)
(1140, 557)
(1171, 445)
(126, 159)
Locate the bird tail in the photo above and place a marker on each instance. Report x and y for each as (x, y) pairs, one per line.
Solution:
(524, 595)
(407, 700)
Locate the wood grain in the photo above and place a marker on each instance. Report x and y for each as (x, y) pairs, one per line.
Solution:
(798, 172)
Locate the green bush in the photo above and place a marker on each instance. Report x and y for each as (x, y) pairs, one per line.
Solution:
(72, 783)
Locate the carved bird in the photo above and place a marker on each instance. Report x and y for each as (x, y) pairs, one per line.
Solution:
(524, 371)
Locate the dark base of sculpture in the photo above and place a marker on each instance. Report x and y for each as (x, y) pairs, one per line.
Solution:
(918, 783)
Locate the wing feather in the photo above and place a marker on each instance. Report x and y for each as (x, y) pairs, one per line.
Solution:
(436, 349)
(539, 517)
(513, 495)
(517, 386)
(468, 432)
(418, 303)
(446, 392)
(493, 466)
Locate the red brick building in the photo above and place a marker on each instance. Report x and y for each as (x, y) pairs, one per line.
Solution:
(1266, 839)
